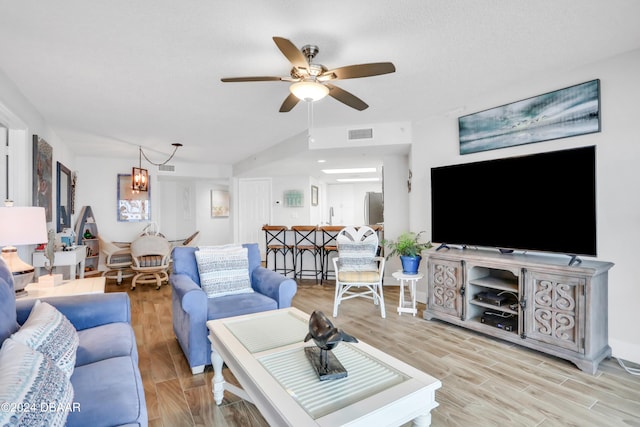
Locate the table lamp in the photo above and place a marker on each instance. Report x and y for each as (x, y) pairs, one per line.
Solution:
(21, 226)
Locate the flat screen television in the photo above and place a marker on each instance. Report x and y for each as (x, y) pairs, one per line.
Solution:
(540, 202)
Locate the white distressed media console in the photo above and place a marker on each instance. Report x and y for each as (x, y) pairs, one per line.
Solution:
(550, 306)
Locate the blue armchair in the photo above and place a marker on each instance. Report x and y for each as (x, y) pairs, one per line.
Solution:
(192, 309)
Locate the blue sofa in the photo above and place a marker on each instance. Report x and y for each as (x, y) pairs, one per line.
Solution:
(192, 309)
(106, 380)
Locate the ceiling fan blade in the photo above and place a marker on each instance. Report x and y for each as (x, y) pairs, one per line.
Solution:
(346, 98)
(360, 70)
(293, 54)
(251, 79)
(289, 102)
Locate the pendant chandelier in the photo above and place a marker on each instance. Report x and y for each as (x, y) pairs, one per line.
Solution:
(140, 175)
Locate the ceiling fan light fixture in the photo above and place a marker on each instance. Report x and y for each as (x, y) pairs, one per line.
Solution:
(309, 91)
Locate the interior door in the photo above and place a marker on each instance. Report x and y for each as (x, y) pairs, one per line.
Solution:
(254, 210)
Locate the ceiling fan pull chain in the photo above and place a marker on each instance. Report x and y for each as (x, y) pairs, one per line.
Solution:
(309, 121)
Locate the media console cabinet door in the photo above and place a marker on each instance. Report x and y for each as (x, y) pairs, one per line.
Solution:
(556, 307)
(444, 287)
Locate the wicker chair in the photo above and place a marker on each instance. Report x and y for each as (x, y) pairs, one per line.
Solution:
(359, 271)
(151, 256)
(117, 259)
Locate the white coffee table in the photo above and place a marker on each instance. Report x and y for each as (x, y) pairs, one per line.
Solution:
(91, 285)
(265, 352)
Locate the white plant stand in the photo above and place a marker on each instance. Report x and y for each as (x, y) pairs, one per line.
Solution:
(409, 280)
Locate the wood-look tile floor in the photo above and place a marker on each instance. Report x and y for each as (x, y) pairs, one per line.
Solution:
(485, 382)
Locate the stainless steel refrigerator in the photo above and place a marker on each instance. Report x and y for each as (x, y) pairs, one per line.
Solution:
(373, 208)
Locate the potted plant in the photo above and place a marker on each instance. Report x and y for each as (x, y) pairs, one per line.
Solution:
(408, 247)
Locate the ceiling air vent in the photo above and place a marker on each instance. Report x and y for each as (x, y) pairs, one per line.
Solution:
(167, 168)
(360, 134)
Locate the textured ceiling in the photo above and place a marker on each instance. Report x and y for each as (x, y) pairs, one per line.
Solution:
(108, 75)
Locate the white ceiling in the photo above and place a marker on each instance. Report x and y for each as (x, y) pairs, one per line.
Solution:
(109, 75)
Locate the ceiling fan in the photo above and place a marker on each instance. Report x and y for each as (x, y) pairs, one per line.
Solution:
(310, 81)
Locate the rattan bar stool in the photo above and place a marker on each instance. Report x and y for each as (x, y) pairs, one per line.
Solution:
(306, 241)
(276, 244)
(329, 246)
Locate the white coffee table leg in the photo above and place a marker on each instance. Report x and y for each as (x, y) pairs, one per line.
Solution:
(423, 420)
(218, 380)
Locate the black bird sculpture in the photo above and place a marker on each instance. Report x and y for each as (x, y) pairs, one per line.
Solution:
(324, 334)
(327, 337)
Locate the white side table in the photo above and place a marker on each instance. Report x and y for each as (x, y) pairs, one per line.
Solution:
(71, 258)
(410, 281)
(91, 285)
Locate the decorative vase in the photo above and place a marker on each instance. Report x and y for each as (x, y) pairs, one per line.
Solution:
(410, 264)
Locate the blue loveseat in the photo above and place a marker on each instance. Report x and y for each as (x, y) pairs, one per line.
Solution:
(191, 308)
(107, 386)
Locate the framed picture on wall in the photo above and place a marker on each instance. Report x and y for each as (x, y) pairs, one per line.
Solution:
(314, 195)
(43, 175)
(219, 204)
(294, 198)
(133, 206)
(63, 198)
(559, 114)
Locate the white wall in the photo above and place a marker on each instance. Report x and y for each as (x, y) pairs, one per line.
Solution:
(23, 121)
(179, 205)
(213, 231)
(618, 181)
(285, 215)
(384, 134)
(186, 208)
(396, 207)
(96, 187)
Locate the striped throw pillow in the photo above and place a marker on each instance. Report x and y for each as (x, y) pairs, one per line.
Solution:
(224, 271)
(33, 390)
(357, 256)
(50, 332)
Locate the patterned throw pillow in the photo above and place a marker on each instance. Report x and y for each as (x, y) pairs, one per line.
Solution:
(50, 332)
(224, 270)
(33, 390)
(357, 256)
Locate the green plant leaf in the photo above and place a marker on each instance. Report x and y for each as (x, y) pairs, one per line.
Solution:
(407, 244)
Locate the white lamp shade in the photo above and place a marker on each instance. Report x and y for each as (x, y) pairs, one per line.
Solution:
(309, 90)
(22, 226)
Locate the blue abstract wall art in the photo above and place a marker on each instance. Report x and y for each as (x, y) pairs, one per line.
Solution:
(559, 114)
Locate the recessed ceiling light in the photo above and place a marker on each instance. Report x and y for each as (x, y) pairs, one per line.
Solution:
(357, 179)
(321, 161)
(349, 170)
